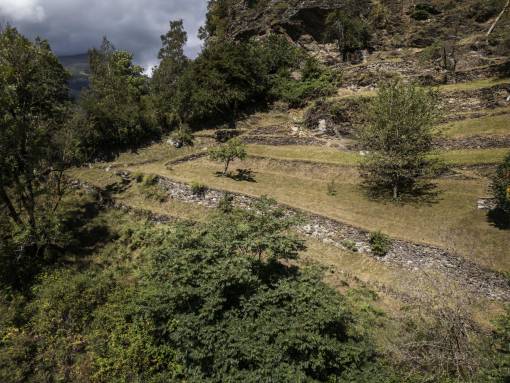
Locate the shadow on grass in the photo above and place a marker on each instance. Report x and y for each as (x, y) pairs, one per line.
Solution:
(424, 193)
(83, 233)
(498, 218)
(85, 228)
(246, 175)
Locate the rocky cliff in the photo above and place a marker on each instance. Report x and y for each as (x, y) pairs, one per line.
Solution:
(393, 24)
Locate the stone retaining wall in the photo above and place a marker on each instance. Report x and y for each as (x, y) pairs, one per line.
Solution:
(414, 257)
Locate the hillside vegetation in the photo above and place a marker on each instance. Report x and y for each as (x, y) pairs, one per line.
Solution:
(322, 195)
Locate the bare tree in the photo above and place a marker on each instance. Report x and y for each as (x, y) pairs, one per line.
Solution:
(495, 23)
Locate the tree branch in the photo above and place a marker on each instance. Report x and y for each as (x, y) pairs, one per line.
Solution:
(10, 207)
(493, 26)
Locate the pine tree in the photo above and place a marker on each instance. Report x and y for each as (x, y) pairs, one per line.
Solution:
(165, 76)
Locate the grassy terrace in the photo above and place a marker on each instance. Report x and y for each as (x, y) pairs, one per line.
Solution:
(174, 208)
(473, 85)
(486, 126)
(465, 86)
(451, 221)
(334, 156)
(96, 177)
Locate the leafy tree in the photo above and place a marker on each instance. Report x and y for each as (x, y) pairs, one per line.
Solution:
(350, 30)
(226, 153)
(222, 80)
(34, 143)
(501, 342)
(222, 298)
(501, 185)
(165, 76)
(216, 23)
(116, 109)
(317, 81)
(399, 137)
(183, 136)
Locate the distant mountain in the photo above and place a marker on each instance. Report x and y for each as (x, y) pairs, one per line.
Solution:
(78, 66)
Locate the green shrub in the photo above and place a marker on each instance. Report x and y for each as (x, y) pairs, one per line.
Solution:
(317, 81)
(420, 15)
(183, 136)
(350, 245)
(138, 177)
(62, 312)
(500, 185)
(380, 243)
(198, 189)
(226, 203)
(149, 188)
(222, 296)
(149, 180)
(332, 188)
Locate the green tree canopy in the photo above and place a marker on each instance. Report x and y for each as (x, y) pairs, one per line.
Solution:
(33, 141)
(501, 185)
(166, 75)
(399, 137)
(224, 300)
(223, 79)
(226, 153)
(116, 110)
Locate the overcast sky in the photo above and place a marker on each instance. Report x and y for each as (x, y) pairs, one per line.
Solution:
(73, 26)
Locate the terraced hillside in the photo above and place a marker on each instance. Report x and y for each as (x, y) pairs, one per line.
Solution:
(308, 161)
(448, 235)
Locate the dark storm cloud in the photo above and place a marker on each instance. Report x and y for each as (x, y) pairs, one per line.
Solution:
(73, 26)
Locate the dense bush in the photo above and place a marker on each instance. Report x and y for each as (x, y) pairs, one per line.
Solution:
(228, 79)
(380, 243)
(501, 185)
(220, 82)
(423, 11)
(349, 28)
(235, 313)
(316, 81)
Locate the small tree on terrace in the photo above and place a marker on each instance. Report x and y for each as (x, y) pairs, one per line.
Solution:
(501, 185)
(232, 150)
(399, 137)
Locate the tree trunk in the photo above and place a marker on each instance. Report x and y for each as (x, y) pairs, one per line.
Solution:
(493, 26)
(395, 191)
(227, 163)
(10, 207)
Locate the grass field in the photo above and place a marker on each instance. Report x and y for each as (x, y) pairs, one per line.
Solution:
(487, 126)
(473, 85)
(324, 155)
(96, 177)
(344, 93)
(451, 221)
(170, 207)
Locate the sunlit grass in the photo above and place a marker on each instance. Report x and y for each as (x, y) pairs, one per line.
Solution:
(325, 155)
(452, 221)
(95, 177)
(306, 153)
(488, 125)
(473, 85)
(474, 156)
